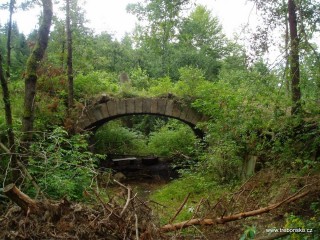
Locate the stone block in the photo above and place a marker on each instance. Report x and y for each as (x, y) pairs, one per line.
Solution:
(162, 103)
(146, 105)
(97, 113)
(104, 110)
(138, 105)
(82, 124)
(153, 105)
(184, 113)
(176, 110)
(112, 108)
(193, 117)
(121, 105)
(130, 105)
(169, 107)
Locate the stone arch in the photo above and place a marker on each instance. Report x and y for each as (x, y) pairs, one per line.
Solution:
(108, 109)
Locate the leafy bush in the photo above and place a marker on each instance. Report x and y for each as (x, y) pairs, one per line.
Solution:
(172, 138)
(312, 224)
(116, 139)
(139, 79)
(249, 233)
(94, 83)
(190, 80)
(173, 194)
(223, 162)
(62, 165)
(161, 86)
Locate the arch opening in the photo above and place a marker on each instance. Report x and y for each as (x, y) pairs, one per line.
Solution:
(139, 151)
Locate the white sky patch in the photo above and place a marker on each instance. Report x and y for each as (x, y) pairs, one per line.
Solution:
(111, 16)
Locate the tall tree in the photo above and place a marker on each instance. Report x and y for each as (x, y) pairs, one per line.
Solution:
(9, 121)
(201, 42)
(69, 57)
(294, 18)
(11, 8)
(294, 58)
(162, 17)
(32, 66)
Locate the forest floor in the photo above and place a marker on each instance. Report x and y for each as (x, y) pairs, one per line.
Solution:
(265, 188)
(126, 215)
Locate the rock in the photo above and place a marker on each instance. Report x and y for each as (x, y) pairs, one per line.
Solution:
(119, 176)
(103, 98)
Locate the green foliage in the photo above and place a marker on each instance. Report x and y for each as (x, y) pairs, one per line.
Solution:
(249, 233)
(223, 162)
(139, 79)
(19, 50)
(173, 138)
(62, 165)
(189, 82)
(113, 138)
(161, 86)
(312, 225)
(201, 42)
(94, 83)
(173, 194)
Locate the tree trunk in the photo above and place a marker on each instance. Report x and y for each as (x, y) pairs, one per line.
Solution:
(32, 67)
(9, 122)
(286, 47)
(294, 58)
(11, 7)
(69, 58)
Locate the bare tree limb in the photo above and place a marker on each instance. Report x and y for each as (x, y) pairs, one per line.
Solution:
(22, 200)
(180, 208)
(25, 170)
(222, 220)
(128, 197)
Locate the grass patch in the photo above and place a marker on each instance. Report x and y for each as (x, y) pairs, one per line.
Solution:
(172, 195)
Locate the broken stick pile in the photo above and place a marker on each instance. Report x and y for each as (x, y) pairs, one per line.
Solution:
(127, 218)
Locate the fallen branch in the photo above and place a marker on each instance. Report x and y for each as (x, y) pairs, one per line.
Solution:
(180, 208)
(128, 198)
(222, 220)
(25, 171)
(22, 200)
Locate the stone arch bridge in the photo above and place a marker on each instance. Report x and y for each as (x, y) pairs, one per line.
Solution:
(106, 109)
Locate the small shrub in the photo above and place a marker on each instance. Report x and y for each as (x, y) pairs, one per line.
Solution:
(62, 165)
(173, 138)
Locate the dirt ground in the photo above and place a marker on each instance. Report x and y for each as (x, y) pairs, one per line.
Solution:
(129, 215)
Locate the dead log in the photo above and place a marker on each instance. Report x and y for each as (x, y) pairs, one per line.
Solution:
(49, 210)
(222, 220)
(27, 204)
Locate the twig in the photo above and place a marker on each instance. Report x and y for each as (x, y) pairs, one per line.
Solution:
(180, 208)
(197, 208)
(142, 203)
(200, 232)
(128, 197)
(25, 171)
(105, 206)
(157, 203)
(137, 229)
